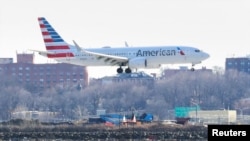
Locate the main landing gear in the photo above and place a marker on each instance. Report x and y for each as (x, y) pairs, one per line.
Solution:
(120, 70)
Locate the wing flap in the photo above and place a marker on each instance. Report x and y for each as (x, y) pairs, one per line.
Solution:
(113, 60)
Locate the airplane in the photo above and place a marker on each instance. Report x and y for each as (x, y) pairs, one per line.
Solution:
(146, 57)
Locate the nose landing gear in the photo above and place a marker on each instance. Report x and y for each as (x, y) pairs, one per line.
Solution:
(192, 68)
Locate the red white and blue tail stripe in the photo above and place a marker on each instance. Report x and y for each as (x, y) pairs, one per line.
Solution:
(53, 41)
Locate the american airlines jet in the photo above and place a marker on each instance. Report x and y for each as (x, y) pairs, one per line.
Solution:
(129, 57)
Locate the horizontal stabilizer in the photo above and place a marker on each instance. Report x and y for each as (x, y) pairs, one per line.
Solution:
(45, 52)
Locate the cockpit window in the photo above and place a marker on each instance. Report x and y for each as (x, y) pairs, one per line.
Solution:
(197, 50)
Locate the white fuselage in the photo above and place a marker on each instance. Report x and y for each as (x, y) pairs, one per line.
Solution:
(155, 56)
(132, 57)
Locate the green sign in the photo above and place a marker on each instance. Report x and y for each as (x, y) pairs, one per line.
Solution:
(184, 111)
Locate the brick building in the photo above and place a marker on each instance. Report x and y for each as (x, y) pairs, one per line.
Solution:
(25, 58)
(135, 77)
(44, 75)
(171, 72)
(241, 64)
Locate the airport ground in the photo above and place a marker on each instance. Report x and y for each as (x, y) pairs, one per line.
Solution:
(34, 130)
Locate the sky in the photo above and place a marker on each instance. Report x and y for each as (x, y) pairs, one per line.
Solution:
(218, 27)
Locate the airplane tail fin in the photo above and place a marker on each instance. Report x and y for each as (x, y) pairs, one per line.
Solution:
(53, 41)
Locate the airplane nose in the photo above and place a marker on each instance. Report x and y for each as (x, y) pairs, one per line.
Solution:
(206, 55)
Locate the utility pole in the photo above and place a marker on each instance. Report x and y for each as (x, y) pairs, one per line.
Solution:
(196, 110)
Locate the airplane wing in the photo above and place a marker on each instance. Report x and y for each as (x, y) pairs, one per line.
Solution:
(113, 60)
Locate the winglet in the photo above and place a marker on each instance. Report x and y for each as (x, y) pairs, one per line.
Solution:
(77, 46)
(126, 44)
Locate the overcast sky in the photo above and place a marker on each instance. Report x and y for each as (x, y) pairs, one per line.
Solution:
(219, 27)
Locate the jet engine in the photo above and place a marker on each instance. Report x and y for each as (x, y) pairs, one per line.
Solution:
(137, 63)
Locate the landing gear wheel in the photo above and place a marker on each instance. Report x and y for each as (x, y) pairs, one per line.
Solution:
(119, 70)
(128, 70)
(192, 69)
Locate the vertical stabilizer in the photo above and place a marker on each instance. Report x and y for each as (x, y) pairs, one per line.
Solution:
(53, 41)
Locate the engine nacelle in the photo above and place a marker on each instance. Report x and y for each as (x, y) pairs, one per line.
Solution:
(142, 62)
(137, 63)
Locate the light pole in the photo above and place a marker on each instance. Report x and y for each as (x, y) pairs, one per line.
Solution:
(133, 116)
(196, 105)
(241, 113)
(196, 110)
